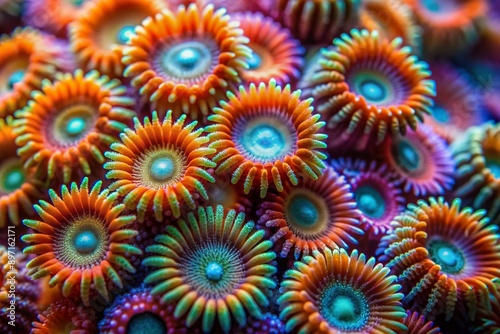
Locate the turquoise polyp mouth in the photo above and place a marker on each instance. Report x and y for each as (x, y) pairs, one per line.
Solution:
(373, 86)
(162, 169)
(146, 323)
(370, 201)
(125, 34)
(76, 126)
(214, 271)
(13, 179)
(440, 114)
(16, 77)
(264, 141)
(303, 212)
(255, 61)
(447, 255)
(86, 242)
(407, 156)
(344, 307)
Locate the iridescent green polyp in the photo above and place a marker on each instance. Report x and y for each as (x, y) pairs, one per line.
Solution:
(370, 201)
(344, 307)
(447, 255)
(146, 323)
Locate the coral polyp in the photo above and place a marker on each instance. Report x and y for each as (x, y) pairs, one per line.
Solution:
(160, 166)
(337, 292)
(18, 187)
(477, 160)
(417, 324)
(81, 241)
(312, 215)
(215, 267)
(368, 88)
(457, 105)
(314, 21)
(378, 195)
(65, 316)
(199, 55)
(26, 58)
(448, 27)
(52, 16)
(444, 257)
(392, 19)
(267, 136)
(423, 162)
(100, 33)
(138, 311)
(70, 123)
(275, 53)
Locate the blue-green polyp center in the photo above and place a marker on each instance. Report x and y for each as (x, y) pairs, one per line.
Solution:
(125, 34)
(162, 168)
(370, 201)
(344, 307)
(255, 61)
(406, 156)
(77, 3)
(373, 90)
(76, 126)
(214, 271)
(303, 211)
(86, 242)
(13, 178)
(493, 164)
(447, 255)
(439, 6)
(440, 114)
(187, 58)
(146, 323)
(15, 77)
(264, 141)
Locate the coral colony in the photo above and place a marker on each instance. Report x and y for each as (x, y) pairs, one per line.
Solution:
(249, 166)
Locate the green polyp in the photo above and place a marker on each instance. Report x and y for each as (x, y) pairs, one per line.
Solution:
(75, 126)
(125, 34)
(162, 168)
(370, 201)
(494, 166)
(146, 323)
(214, 271)
(447, 255)
(255, 61)
(86, 242)
(344, 307)
(77, 3)
(13, 179)
(15, 77)
(264, 141)
(440, 114)
(406, 156)
(302, 211)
